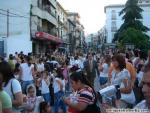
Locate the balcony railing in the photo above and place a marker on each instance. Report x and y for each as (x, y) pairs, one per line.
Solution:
(48, 9)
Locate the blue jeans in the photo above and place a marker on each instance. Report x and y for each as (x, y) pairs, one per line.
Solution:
(59, 102)
(46, 97)
(103, 80)
(24, 85)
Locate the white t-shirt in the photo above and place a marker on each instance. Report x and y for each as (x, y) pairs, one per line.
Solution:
(26, 72)
(16, 87)
(117, 79)
(40, 67)
(44, 87)
(104, 72)
(57, 86)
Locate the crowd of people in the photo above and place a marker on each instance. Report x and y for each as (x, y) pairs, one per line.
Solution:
(58, 83)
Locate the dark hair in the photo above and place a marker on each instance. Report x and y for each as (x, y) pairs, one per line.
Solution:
(139, 67)
(136, 53)
(11, 57)
(108, 59)
(80, 76)
(121, 61)
(28, 59)
(6, 71)
(59, 72)
(17, 65)
(43, 106)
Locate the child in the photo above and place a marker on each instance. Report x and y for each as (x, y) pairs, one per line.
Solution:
(32, 102)
(45, 86)
(45, 108)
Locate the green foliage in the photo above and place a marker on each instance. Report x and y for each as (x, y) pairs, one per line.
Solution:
(132, 30)
(136, 37)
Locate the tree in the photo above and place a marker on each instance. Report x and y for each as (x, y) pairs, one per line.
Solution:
(132, 22)
(135, 37)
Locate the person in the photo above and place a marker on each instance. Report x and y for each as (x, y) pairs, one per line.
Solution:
(104, 68)
(145, 104)
(11, 61)
(40, 66)
(86, 96)
(91, 68)
(6, 104)
(27, 73)
(59, 89)
(148, 58)
(32, 101)
(121, 77)
(45, 86)
(11, 86)
(45, 107)
(137, 88)
(128, 66)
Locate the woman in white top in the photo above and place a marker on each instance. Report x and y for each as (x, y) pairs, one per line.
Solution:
(104, 68)
(59, 88)
(11, 86)
(121, 77)
(27, 73)
(45, 86)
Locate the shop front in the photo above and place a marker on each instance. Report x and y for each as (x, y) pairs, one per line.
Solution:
(44, 42)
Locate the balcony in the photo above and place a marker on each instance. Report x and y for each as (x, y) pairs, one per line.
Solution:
(45, 13)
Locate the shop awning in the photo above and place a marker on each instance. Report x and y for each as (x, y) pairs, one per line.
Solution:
(46, 36)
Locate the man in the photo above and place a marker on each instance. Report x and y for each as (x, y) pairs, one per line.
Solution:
(145, 104)
(91, 68)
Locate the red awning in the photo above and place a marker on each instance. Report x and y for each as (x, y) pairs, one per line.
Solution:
(46, 36)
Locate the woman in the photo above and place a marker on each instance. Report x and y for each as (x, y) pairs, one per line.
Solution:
(11, 86)
(86, 97)
(121, 77)
(5, 100)
(27, 73)
(104, 68)
(59, 89)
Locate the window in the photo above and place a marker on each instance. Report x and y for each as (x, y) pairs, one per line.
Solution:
(113, 33)
(113, 15)
(113, 26)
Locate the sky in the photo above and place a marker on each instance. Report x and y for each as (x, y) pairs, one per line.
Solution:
(91, 12)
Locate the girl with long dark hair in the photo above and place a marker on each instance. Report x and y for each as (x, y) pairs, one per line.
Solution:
(86, 96)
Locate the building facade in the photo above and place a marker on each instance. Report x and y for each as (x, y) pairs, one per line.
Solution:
(79, 29)
(15, 26)
(114, 21)
(62, 19)
(28, 26)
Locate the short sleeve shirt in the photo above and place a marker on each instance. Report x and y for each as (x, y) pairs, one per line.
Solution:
(5, 100)
(86, 95)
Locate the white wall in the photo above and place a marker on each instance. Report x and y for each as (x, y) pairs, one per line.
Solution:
(19, 27)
